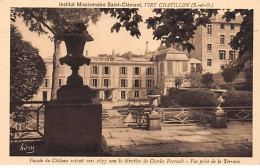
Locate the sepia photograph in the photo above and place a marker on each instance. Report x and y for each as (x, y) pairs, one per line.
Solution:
(137, 82)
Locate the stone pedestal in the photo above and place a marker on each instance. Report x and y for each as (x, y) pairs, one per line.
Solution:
(73, 128)
(153, 122)
(219, 119)
(82, 94)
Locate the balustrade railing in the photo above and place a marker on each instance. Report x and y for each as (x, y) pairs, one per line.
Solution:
(27, 120)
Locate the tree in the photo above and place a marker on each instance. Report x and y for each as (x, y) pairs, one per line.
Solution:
(27, 68)
(178, 25)
(243, 43)
(207, 79)
(229, 73)
(56, 21)
(169, 25)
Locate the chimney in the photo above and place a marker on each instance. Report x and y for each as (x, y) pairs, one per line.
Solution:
(113, 53)
(130, 55)
(146, 48)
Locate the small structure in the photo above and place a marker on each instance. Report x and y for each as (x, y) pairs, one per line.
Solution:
(171, 64)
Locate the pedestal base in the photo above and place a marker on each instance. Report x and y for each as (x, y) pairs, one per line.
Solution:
(219, 119)
(153, 122)
(72, 128)
(82, 94)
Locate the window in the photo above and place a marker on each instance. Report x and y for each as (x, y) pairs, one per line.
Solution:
(44, 95)
(136, 93)
(46, 83)
(137, 71)
(137, 83)
(222, 39)
(149, 83)
(209, 47)
(60, 82)
(231, 38)
(106, 70)
(209, 29)
(150, 71)
(122, 94)
(95, 70)
(123, 70)
(106, 81)
(232, 27)
(231, 55)
(209, 62)
(161, 68)
(123, 83)
(222, 54)
(222, 26)
(94, 82)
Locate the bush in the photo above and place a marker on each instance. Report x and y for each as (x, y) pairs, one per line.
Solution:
(187, 98)
(229, 73)
(238, 99)
(207, 80)
(202, 98)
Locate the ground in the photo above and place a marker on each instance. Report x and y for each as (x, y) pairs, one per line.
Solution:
(194, 140)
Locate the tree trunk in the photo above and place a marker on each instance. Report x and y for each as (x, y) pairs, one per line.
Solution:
(56, 70)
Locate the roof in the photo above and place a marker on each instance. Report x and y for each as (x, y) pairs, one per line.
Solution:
(171, 54)
(218, 18)
(194, 60)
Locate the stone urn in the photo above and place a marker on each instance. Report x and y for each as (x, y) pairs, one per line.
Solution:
(219, 117)
(153, 100)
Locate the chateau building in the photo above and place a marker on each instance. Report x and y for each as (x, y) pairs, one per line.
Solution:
(128, 77)
(115, 78)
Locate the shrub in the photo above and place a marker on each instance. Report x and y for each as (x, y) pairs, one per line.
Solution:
(207, 79)
(188, 98)
(238, 99)
(229, 73)
(203, 98)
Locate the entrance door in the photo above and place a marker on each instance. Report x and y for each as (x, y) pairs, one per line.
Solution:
(107, 95)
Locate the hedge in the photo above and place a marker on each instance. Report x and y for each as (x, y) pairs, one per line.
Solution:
(199, 98)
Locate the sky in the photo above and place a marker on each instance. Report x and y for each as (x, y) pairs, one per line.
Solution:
(104, 41)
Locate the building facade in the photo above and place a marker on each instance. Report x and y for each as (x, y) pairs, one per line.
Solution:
(212, 43)
(115, 78)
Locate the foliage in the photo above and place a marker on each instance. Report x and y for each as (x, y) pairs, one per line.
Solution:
(207, 79)
(161, 47)
(57, 21)
(243, 41)
(201, 98)
(229, 73)
(178, 82)
(240, 98)
(178, 25)
(249, 78)
(153, 91)
(187, 98)
(27, 68)
(128, 18)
